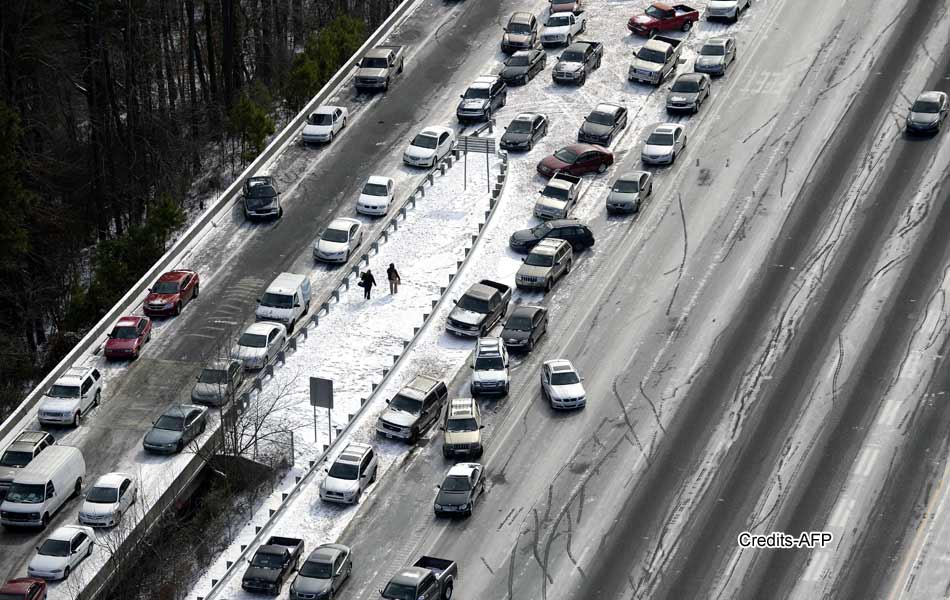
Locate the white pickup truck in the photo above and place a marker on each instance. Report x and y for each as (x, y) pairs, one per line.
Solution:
(560, 28)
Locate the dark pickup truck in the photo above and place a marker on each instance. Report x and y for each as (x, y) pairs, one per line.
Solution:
(271, 565)
(579, 59)
(429, 578)
(479, 309)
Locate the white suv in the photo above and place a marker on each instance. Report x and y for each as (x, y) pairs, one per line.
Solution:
(351, 473)
(73, 395)
(490, 367)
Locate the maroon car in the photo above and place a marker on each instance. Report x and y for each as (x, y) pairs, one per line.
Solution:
(577, 159)
(127, 338)
(660, 17)
(171, 293)
(24, 588)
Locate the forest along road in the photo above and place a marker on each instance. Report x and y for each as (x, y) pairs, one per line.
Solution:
(577, 503)
(235, 274)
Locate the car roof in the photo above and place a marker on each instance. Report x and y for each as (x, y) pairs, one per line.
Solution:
(578, 148)
(483, 82)
(73, 375)
(129, 321)
(66, 533)
(342, 223)
(20, 585)
(378, 52)
(548, 246)
(326, 109)
(258, 180)
(521, 17)
(631, 176)
(419, 386)
(435, 130)
(667, 128)
(718, 41)
(525, 116)
(326, 553)
(220, 364)
(181, 410)
(607, 107)
(567, 223)
(931, 96)
(262, 327)
(112, 479)
(30, 438)
(559, 364)
(655, 44)
(489, 346)
(379, 180)
(692, 77)
(353, 453)
(462, 469)
(176, 275)
(481, 291)
(525, 311)
(662, 6)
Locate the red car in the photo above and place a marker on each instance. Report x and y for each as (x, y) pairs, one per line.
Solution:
(663, 17)
(127, 338)
(24, 588)
(577, 159)
(171, 292)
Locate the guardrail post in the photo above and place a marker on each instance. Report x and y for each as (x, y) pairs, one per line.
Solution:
(335, 294)
(365, 258)
(315, 319)
(394, 222)
(412, 200)
(292, 343)
(256, 384)
(325, 307)
(402, 211)
(269, 369)
(442, 167)
(282, 357)
(375, 247)
(430, 178)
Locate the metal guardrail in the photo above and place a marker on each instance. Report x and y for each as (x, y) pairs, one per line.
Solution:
(224, 202)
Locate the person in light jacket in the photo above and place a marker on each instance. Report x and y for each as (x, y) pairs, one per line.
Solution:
(367, 281)
(393, 275)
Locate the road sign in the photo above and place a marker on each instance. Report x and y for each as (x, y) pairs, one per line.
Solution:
(321, 392)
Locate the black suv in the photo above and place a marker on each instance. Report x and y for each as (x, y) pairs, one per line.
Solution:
(413, 410)
(575, 232)
(262, 198)
(487, 94)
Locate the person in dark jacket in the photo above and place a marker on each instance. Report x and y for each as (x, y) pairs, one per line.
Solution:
(393, 276)
(367, 281)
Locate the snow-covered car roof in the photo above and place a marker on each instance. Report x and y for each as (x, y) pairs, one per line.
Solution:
(559, 365)
(379, 180)
(262, 328)
(326, 110)
(112, 480)
(667, 128)
(342, 223)
(435, 131)
(462, 470)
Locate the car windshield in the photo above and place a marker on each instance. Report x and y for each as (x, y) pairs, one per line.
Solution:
(253, 340)
(316, 569)
(489, 363)
(54, 548)
(601, 118)
(425, 141)
(320, 119)
(687, 86)
(15, 458)
(519, 28)
(170, 423)
(541, 230)
(520, 127)
(405, 404)
(125, 332)
(369, 62)
(165, 287)
(564, 378)
(277, 300)
(572, 56)
(556, 192)
(473, 304)
(925, 106)
(713, 50)
(660, 139)
(656, 13)
(213, 376)
(267, 561)
(375, 189)
(539, 260)
(63, 391)
(560, 21)
(651, 55)
(456, 484)
(398, 591)
(519, 323)
(261, 190)
(566, 155)
(335, 235)
(344, 471)
(626, 186)
(103, 495)
(461, 425)
(518, 60)
(476, 93)
(26, 493)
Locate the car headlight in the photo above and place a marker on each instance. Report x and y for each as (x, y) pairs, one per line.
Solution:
(464, 506)
(438, 506)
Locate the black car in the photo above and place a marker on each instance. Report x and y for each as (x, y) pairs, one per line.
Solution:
(460, 489)
(523, 131)
(522, 66)
(927, 113)
(486, 94)
(688, 93)
(524, 327)
(602, 124)
(576, 232)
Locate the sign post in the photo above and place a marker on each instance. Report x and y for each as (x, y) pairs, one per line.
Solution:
(321, 395)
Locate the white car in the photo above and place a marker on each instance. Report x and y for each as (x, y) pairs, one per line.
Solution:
(431, 145)
(259, 343)
(561, 384)
(73, 395)
(666, 141)
(341, 239)
(108, 499)
(59, 554)
(351, 473)
(377, 196)
(323, 124)
(727, 9)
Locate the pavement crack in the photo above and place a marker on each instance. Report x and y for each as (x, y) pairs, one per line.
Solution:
(682, 267)
(659, 423)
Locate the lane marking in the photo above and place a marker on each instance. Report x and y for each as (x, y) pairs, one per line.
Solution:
(888, 414)
(817, 566)
(839, 518)
(866, 461)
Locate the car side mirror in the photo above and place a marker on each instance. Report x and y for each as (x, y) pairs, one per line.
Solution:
(296, 305)
(441, 428)
(258, 300)
(525, 259)
(481, 427)
(388, 400)
(455, 301)
(149, 289)
(471, 367)
(109, 335)
(461, 95)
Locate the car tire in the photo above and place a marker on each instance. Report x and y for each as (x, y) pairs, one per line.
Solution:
(570, 265)
(178, 308)
(447, 595)
(195, 295)
(89, 552)
(179, 446)
(548, 285)
(530, 344)
(445, 453)
(386, 85)
(686, 26)
(570, 39)
(602, 167)
(530, 145)
(98, 398)
(77, 418)
(654, 32)
(525, 80)
(201, 429)
(280, 212)
(66, 572)
(291, 325)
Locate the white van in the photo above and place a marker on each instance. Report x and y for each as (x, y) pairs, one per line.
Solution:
(42, 487)
(286, 300)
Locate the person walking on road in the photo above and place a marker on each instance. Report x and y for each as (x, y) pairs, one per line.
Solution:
(367, 281)
(393, 275)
